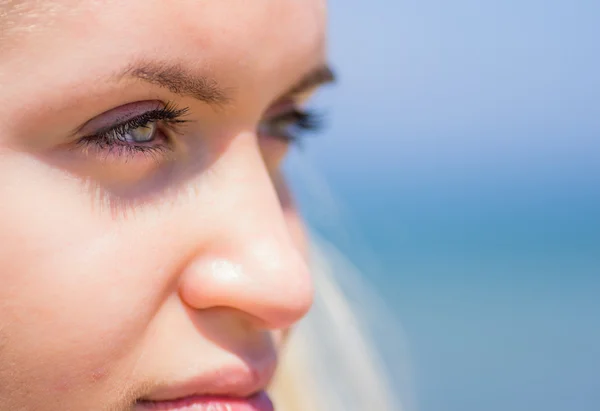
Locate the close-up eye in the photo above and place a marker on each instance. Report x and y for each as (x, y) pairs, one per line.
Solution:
(149, 132)
(290, 123)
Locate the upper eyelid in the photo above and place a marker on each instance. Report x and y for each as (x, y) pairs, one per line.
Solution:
(116, 116)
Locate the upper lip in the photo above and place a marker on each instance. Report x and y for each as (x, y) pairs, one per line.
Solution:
(240, 380)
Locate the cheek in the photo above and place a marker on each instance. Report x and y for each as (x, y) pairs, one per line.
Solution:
(73, 304)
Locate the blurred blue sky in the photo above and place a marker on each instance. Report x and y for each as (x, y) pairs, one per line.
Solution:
(463, 151)
(430, 86)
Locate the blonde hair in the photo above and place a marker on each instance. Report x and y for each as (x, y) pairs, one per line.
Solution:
(330, 363)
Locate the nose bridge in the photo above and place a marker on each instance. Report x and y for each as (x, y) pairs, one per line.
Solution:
(251, 262)
(251, 211)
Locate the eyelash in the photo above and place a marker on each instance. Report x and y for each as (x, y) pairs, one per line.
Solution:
(111, 140)
(301, 122)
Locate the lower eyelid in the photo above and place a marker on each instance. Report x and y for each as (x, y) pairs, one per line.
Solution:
(98, 148)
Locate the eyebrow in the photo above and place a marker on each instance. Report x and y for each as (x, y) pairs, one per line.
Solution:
(316, 77)
(178, 80)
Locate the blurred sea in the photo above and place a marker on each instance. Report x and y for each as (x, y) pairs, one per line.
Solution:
(497, 288)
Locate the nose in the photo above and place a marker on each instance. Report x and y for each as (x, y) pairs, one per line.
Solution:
(250, 262)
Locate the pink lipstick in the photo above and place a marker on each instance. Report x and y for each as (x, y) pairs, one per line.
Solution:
(256, 402)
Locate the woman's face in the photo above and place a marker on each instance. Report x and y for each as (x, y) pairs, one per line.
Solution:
(149, 249)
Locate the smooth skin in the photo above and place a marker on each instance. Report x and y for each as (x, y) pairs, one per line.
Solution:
(123, 274)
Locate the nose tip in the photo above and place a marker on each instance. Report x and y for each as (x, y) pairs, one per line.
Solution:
(267, 279)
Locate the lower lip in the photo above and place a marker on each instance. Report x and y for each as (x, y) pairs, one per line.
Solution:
(257, 402)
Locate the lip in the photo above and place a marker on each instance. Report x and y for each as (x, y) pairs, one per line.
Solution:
(257, 402)
(236, 387)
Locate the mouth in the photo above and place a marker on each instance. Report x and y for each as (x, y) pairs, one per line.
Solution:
(257, 402)
(235, 387)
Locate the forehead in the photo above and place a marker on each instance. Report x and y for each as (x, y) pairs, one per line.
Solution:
(30, 16)
(56, 54)
(248, 32)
